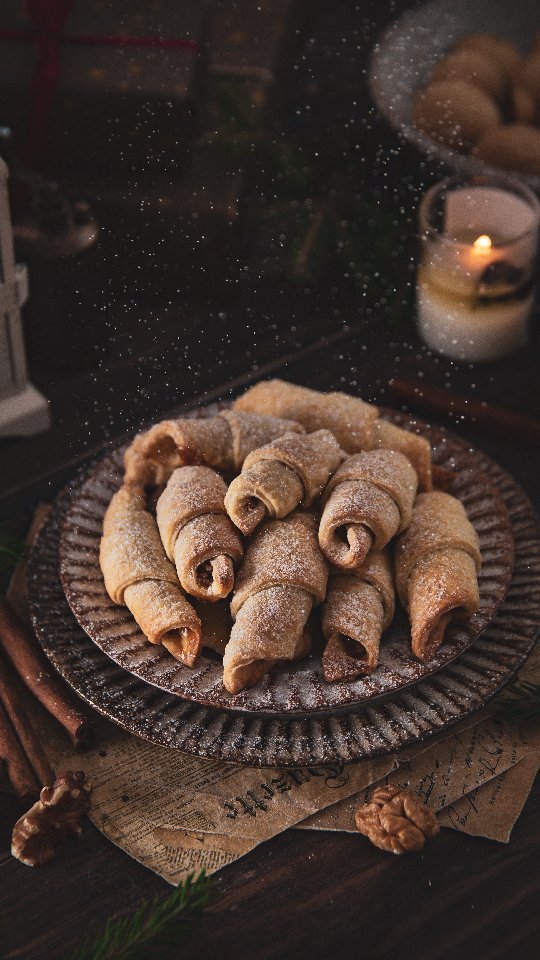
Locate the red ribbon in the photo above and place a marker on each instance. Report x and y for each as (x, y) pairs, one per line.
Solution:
(50, 17)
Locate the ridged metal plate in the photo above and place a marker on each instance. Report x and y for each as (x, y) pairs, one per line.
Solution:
(297, 688)
(386, 725)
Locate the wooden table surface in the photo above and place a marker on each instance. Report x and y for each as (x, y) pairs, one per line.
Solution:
(310, 894)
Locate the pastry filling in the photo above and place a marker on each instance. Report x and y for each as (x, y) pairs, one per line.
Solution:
(182, 642)
(205, 575)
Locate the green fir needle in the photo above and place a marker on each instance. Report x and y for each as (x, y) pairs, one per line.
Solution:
(155, 930)
(519, 703)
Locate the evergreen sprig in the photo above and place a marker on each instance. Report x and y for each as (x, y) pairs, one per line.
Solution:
(11, 551)
(520, 703)
(155, 930)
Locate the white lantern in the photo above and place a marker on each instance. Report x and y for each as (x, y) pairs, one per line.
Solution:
(23, 409)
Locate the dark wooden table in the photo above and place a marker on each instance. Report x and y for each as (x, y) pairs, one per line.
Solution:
(302, 894)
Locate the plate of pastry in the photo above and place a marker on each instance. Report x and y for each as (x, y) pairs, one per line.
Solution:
(462, 82)
(296, 553)
(382, 725)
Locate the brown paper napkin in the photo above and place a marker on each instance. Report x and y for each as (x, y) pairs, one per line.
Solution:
(176, 813)
(477, 777)
(462, 776)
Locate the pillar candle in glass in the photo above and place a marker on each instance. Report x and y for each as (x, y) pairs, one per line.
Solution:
(476, 278)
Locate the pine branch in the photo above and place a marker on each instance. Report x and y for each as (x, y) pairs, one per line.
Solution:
(11, 551)
(520, 703)
(156, 929)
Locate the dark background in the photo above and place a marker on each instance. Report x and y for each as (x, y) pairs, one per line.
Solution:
(169, 329)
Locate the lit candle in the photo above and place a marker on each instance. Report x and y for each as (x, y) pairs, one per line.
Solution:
(475, 285)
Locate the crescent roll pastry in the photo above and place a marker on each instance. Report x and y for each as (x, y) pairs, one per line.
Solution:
(359, 606)
(138, 575)
(437, 560)
(416, 448)
(354, 423)
(197, 533)
(222, 442)
(277, 477)
(368, 500)
(282, 576)
(350, 419)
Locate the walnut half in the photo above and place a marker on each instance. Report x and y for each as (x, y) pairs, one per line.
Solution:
(396, 820)
(54, 818)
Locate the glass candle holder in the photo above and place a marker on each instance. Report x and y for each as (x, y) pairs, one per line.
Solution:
(476, 278)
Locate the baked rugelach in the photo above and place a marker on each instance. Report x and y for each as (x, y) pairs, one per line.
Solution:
(283, 575)
(359, 606)
(354, 423)
(139, 576)
(276, 478)
(436, 565)
(198, 536)
(350, 419)
(222, 442)
(368, 500)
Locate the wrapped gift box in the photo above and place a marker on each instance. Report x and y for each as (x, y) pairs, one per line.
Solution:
(128, 107)
(247, 45)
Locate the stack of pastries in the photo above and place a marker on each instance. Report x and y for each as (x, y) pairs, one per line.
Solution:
(228, 532)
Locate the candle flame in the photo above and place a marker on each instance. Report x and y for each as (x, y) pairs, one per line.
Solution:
(483, 242)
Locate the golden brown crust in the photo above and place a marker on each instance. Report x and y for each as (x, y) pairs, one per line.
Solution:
(436, 564)
(359, 606)
(368, 500)
(350, 419)
(220, 442)
(283, 552)
(443, 586)
(271, 625)
(269, 490)
(206, 553)
(314, 457)
(278, 477)
(138, 575)
(416, 448)
(154, 454)
(197, 534)
(282, 575)
(131, 550)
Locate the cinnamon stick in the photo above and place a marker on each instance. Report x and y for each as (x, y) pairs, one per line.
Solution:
(12, 701)
(19, 771)
(20, 648)
(495, 420)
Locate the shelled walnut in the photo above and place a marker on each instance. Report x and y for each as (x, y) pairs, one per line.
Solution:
(396, 820)
(53, 818)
